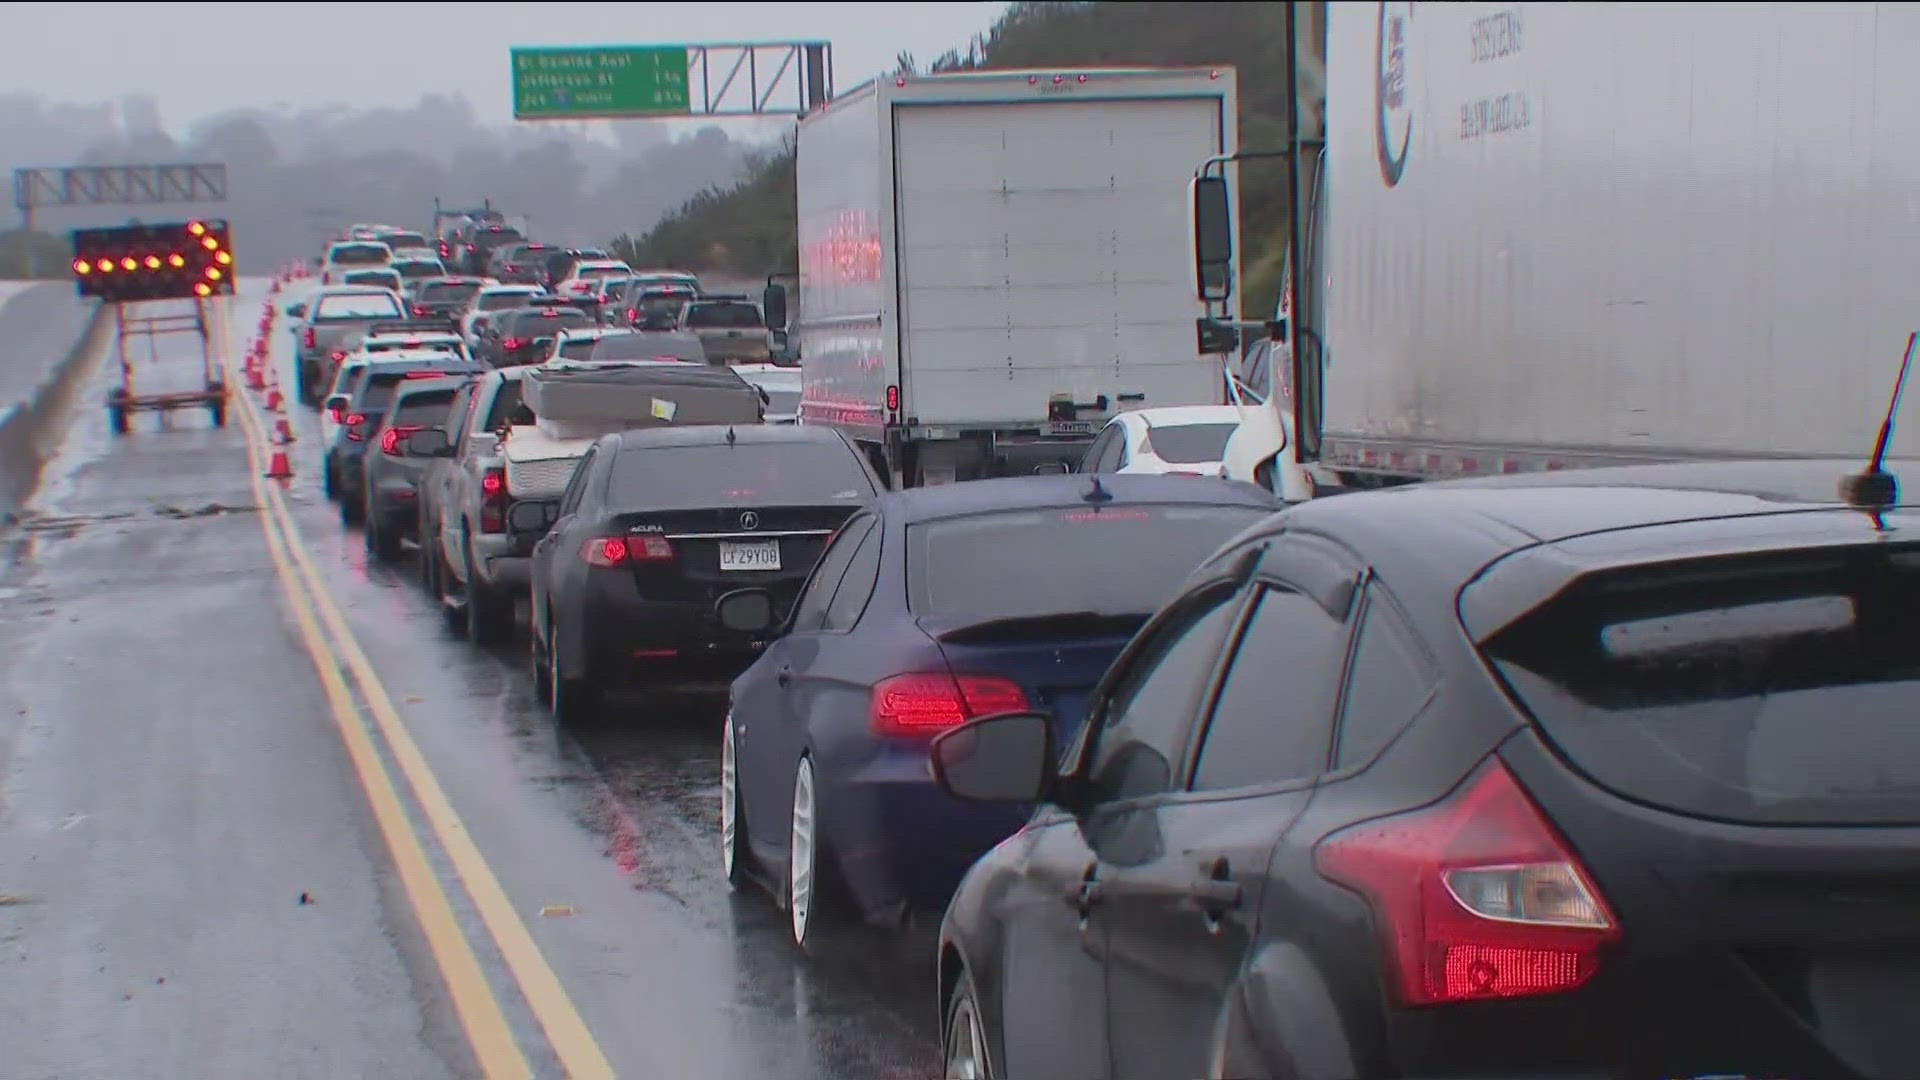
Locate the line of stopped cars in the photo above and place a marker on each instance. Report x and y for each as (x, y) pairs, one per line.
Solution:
(1595, 773)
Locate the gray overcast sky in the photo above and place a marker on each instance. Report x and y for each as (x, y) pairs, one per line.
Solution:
(196, 59)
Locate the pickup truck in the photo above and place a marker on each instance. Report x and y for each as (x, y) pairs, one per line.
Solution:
(326, 324)
(470, 562)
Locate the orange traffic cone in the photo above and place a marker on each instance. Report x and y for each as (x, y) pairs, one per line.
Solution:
(273, 399)
(256, 379)
(283, 431)
(278, 467)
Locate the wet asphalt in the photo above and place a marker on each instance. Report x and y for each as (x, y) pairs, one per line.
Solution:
(193, 883)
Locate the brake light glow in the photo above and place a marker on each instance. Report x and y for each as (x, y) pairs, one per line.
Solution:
(335, 412)
(354, 422)
(923, 704)
(493, 501)
(391, 439)
(512, 343)
(307, 339)
(1474, 898)
(419, 309)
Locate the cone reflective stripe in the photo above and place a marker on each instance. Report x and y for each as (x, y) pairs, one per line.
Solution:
(278, 467)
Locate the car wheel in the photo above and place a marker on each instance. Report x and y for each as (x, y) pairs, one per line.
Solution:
(966, 1044)
(733, 827)
(570, 701)
(810, 901)
(488, 614)
(349, 510)
(327, 485)
(383, 543)
(537, 662)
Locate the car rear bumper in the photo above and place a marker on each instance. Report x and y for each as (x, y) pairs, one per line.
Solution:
(636, 640)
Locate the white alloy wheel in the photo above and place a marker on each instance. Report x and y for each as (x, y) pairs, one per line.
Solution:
(729, 803)
(966, 1058)
(802, 852)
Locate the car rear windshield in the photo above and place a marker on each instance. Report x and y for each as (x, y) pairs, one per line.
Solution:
(357, 306)
(1190, 444)
(438, 292)
(399, 240)
(542, 322)
(359, 255)
(760, 473)
(494, 235)
(577, 349)
(383, 279)
(584, 272)
(418, 269)
(1773, 689)
(1010, 564)
(424, 408)
(504, 402)
(739, 316)
(502, 300)
(380, 386)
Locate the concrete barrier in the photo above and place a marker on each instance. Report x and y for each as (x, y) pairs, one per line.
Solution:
(30, 432)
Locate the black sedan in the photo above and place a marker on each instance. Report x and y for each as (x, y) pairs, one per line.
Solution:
(1609, 773)
(935, 605)
(655, 526)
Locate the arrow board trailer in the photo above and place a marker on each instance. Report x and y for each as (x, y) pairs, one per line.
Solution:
(993, 264)
(1562, 235)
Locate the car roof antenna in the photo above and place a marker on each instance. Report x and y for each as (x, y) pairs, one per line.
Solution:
(730, 435)
(1874, 489)
(1098, 493)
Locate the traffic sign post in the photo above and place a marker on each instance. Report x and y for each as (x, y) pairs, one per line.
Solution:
(600, 83)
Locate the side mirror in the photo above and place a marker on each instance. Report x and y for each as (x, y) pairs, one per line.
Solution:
(773, 305)
(429, 443)
(1051, 468)
(297, 311)
(745, 611)
(1211, 208)
(337, 403)
(532, 516)
(1007, 758)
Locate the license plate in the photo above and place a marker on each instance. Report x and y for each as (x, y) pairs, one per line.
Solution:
(760, 555)
(1069, 427)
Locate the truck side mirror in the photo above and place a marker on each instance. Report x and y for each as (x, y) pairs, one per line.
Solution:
(1210, 203)
(773, 305)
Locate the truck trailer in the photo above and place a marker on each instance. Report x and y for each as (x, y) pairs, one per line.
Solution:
(992, 264)
(1563, 235)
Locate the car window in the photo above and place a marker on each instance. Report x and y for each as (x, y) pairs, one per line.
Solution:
(423, 408)
(356, 306)
(576, 348)
(1090, 462)
(1009, 564)
(542, 322)
(462, 404)
(810, 610)
(1391, 679)
(444, 291)
(344, 377)
(1144, 721)
(1273, 718)
(499, 301)
(751, 473)
(577, 483)
(1112, 453)
(504, 402)
(359, 254)
(729, 316)
(856, 587)
(1189, 444)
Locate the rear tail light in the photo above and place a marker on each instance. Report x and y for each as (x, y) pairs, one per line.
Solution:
(419, 309)
(612, 551)
(335, 412)
(391, 439)
(308, 340)
(923, 704)
(1474, 898)
(493, 501)
(354, 423)
(633, 314)
(338, 356)
(512, 343)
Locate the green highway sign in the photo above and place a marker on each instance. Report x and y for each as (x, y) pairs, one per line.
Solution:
(600, 82)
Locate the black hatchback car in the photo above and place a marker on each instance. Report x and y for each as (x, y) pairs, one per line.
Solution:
(656, 525)
(1611, 773)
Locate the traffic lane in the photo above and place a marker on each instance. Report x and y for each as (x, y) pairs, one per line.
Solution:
(619, 823)
(173, 789)
(39, 321)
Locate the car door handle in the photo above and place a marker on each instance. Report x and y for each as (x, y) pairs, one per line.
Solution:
(785, 676)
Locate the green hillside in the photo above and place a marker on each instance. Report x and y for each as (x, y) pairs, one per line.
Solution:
(749, 227)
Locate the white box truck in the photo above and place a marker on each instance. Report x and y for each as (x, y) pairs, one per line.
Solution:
(1556, 235)
(992, 264)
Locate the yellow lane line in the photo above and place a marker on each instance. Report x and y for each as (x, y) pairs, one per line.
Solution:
(473, 998)
(565, 1029)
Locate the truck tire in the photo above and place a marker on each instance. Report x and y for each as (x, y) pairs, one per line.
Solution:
(489, 615)
(117, 419)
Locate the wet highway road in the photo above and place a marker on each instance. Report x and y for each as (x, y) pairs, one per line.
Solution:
(262, 815)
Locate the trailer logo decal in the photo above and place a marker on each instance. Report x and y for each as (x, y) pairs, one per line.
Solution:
(1393, 111)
